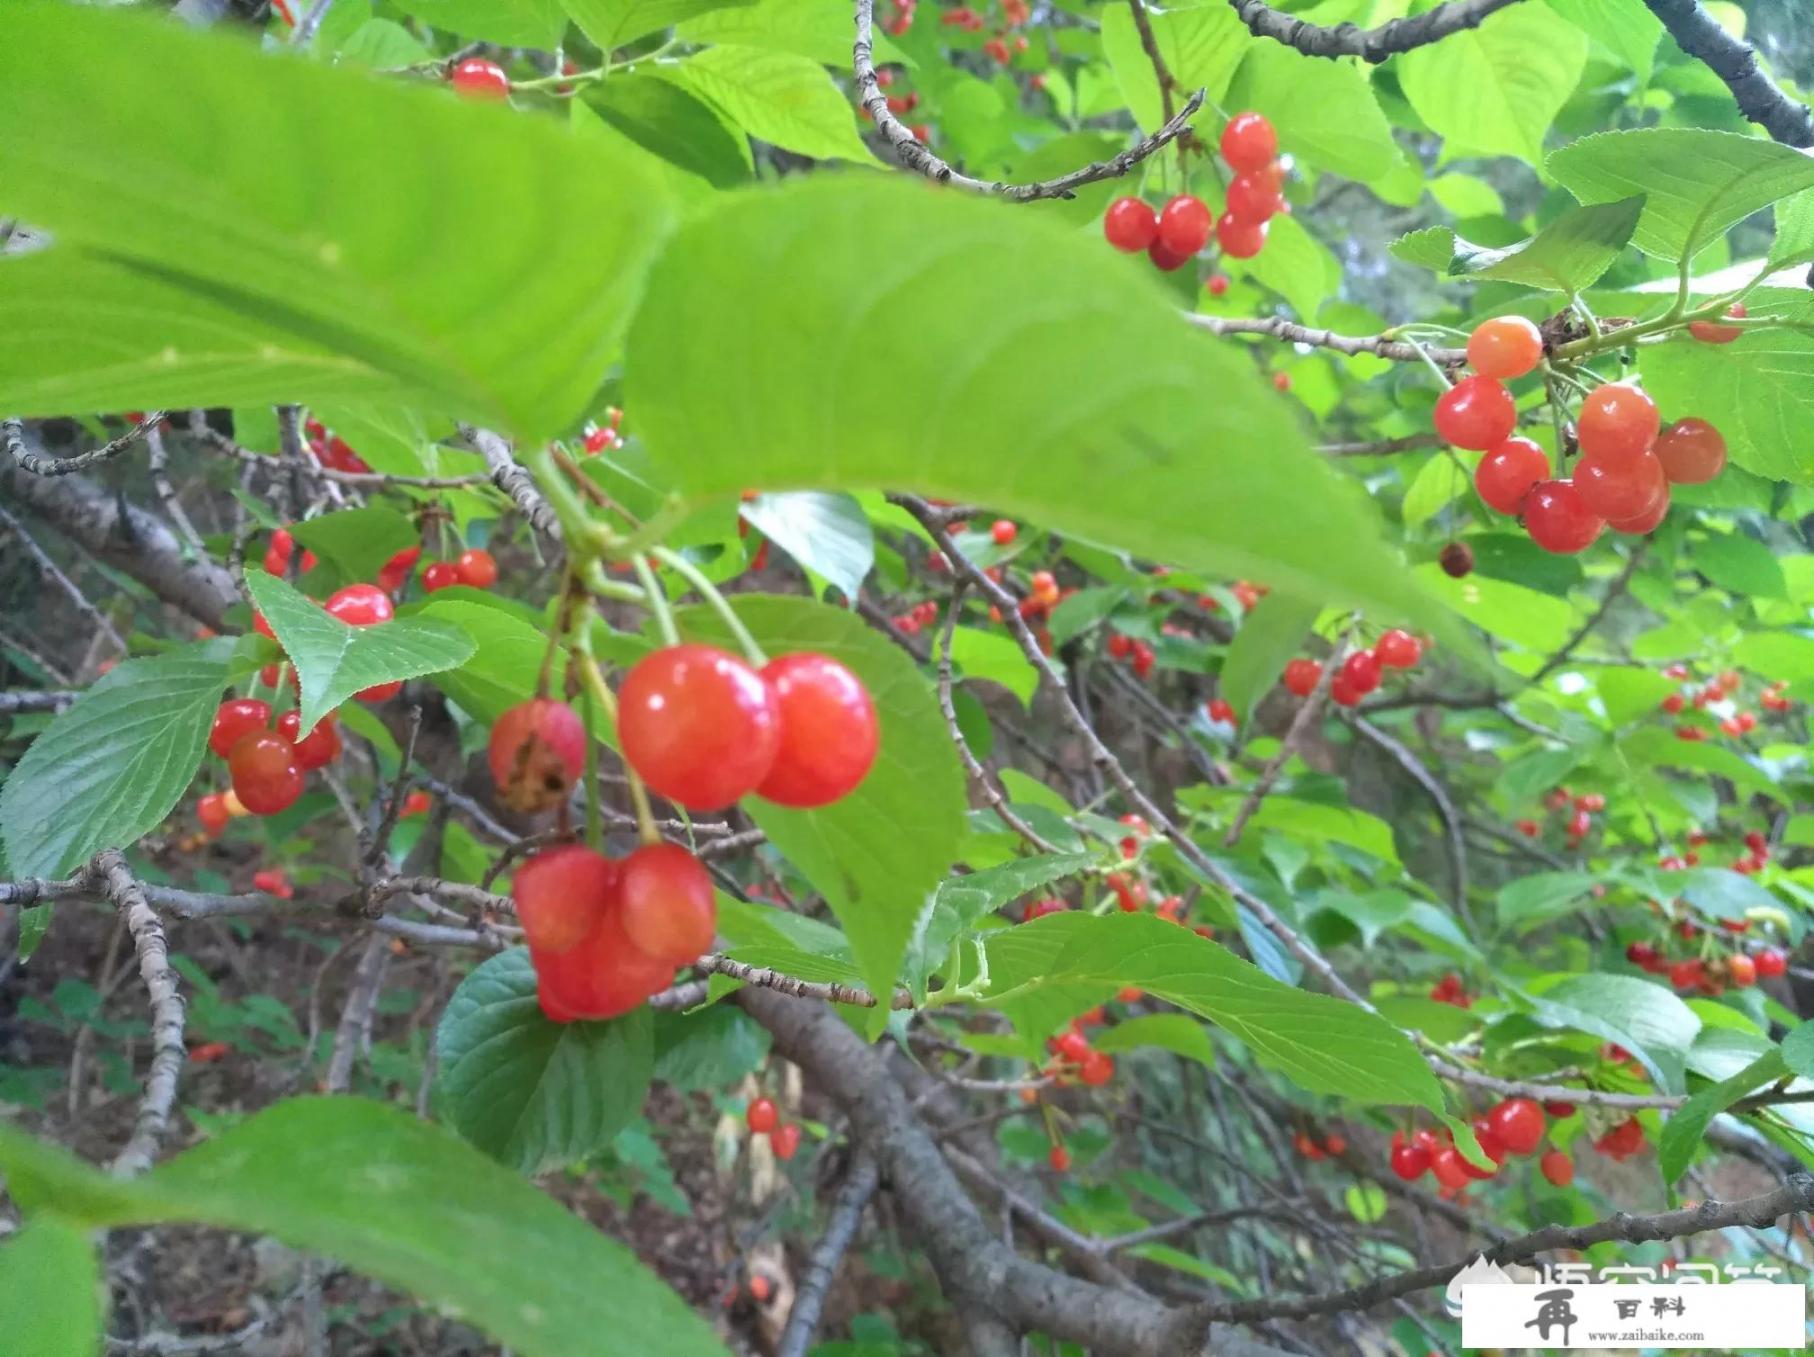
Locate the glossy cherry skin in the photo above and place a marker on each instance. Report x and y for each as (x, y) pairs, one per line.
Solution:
(1249, 143)
(439, 575)
(1646, 521)
(761, 1116)
(266, 775)
(1240, 239)
(1508, 472)
(1184, 224)
(1558, 1168)
(1220, 709)
(700, 726)
(361, 605)
(317, 749)
(1163, 259)
(784, 1140)
(1361, 672)
(1003, 531)
(1457, 560)
(1097, 1069)
(212, 812)
(1476, 413)
(1254, 197)
(1059, 1158)
(1450, 1168)
(1771, 963)
(380, 692)
(1398, 649)
(1620, 491)
(477, 78)
(666, 901)
(602, 976)
(235, 717)
(1130, 225)
(1410, 1161)
(1691, 451)
(1712, 332)
(1518, 1122)
(1301, 677)
(829, 731)
(477, 568)
(537, 752)
(1505, 347)
(1557, 519)
(561, 893)
(1618, 423)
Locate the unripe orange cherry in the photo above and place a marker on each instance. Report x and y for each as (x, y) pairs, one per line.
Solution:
(1617, 423)
(1505, 347)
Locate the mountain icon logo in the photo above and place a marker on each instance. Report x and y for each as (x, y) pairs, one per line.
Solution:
(1477, 1272)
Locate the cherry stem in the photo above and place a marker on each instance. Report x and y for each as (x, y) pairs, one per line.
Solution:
(681, 566)
(658, 601)
(600, 691)
(595, 824)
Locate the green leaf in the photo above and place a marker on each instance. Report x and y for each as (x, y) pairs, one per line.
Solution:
(1150, 455)
(1059, 965)
(1653, 746)
(400, 1199)
(1758, 391)
(989, 655)
(359, 541)
(506, 655)
(1335, 824)
(1644, 1018)
(708, 1050)
(802, 27)
(1628, 693)
(1526, 618)
(1294, 264)
(1777, 654)
(877, 883)
(1169, 1031)
(1496, 89)
(1798, 1050)
(785, 100)
(1432, 247)
(1435, 486)
(1201, 47)
(532, 1093)
(1687, 1125)
(964, 901)
(666, 120)
(1540, 897)
(1371, 913)
(509, 23)
(383, 43)
(1626, 28)
(334, 661)
(826, 534)
(1794, 243)
(1723, 894)
(1325, 111)
(1366, 1202)
(1695, 183)
(1740, 565)
(502, 306)
(50, 1290)
(108, 770)
(614, 23)
(1269, 636)
(1568, 255)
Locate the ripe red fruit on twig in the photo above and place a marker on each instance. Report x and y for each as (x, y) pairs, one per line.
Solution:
(1249, 143)
(1301, 677)
(1476, 413)
(829, 734)
(784, 1140)
(1712, 332)
(1691, 451)
(1518, 1123)
(699, 725)
(477, 78)
(1003, 531)
(273, 882)
(476, 568)
(761, 1116)
(1620, 491)
(236, 717)
(1508, 472)
(1130, 225)
(266, 776)
(602, 976)
(1617, 424)
(537, 753)
(668, 907)
(1398, 649)
(360, 605)
(1361, 672)
(1240, 239)
(211, 810)
(1558, 1168)
(439, 575)
(1558, 521)
(561, 893)
(1184, 225)
(317, 749)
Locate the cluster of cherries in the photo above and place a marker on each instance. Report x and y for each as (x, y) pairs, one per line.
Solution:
(1756, 854)
(266, 764)
(1579, 811)
(1514, 1126)
(330, 450)
(1449, 990)
(1628, 462)
(1332, 1146)
(764, 1119)
(1721, 688)
(281, 550)
(1172, 237)
(1361, 670)
(1708, 975)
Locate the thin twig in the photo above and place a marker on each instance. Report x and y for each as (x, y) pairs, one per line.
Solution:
(1734, 61)
(1369, 44)
(50, 570)
(1301, 721)
(12, 433)
(859, 1186)
(1277, 327)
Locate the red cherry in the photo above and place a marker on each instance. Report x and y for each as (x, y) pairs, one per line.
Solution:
(1647, 521)
(1342, 692)
(1060, 1159)
(1530, 828)
(1003, 531)
(1249, 143)
(561, 893)
(1097, 1069)
(1222, 710)
(211, 810)
(1591, 802)
(1164, 260)
(1507, 473)
(1477, 413)
(1184, 225)
(761, 1116)
(1687, 974)
(273, 882)
(1409, 1161)
(1361, 672)
(1490, 1143)
(380, 692)
(361, 605)
(1559, 1110)
(235, 717)
(1072, 1045)
(1558, 1168)
(1254, 197)
(1505, 346)
(317, 749)
(266, 776)
(828, 737)
(1620, 491)
(1518, 1122)
(1712, 332)
(785, 1140)
(537, 753)
(1457, 560)
(1557, 519)
(1302, 676)
(477, 568)
(1130, 225)
(1691, 451)
(700, 726)
(1624, 1139)
(477, 78)
(440, 575)
(404, 561)
(1398, 649)
(667, 903)
(602, 976)
(1618, 423)
(1217, 285)
(416, 803)
(1450, 1168)
(1741, 970)
(1771, 963)
(1240, 239)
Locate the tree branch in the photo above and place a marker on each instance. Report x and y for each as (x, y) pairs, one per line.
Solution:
(12, 433)
(859, 1185)
(1277, 327)
(1735, 61)
(1369, 44)
(510, 477)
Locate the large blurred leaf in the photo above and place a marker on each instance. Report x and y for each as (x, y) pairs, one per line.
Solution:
(1740, 565)
(666, 120)
(111, 767)
(532, 1093)
(1152, 453)
(313, 201)
(1496, 89)
(1695, 183)
(1568, 255)
(805, 28)
(1653, 745)
(788, 101)
(827, 534)
(1324, 111)
(1643, 1017)
(1168, 1031)
(50, 1290)
(403, 1200)
(333, 661)
(509, 23)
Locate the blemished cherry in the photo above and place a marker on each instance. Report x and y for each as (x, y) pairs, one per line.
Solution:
(235, 717)
(1557, 519)
(1476, 413)
(211, 810)
(1691, 451)
(1130, 225)
(1361, 672)
(761, 1116)
(1620, 491)
(266, 775)
(537, 752)
(784, 1140)
(1507, 473)
(667, 904)
(1771, 963)
(1240, 239)
(1558, 1168)
(603, 976)
(1712, 332)
(1249, 143)
(1617, 423)
(439, 575)
(1003, 531)
(477, 78)
(1184, 224)
(829, 732)
(700, 726)
(361, 605)
(1398, 649)
(317, 749)
(1254, 197)
(1457, 560)
(1646, 521)
(561, 893)
(1518, 1122)
(476, 568)
(1301, 677)
(1505, 347)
